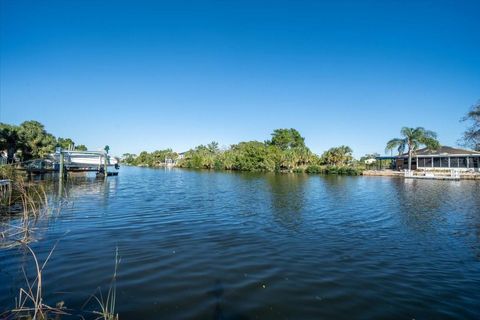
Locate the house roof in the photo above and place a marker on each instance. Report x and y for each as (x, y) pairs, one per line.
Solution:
(443, 150)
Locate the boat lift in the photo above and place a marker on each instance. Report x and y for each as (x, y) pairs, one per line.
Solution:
(63, 161)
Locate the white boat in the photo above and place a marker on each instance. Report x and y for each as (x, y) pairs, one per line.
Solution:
(85, 159)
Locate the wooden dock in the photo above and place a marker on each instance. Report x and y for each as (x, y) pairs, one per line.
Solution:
(5, 190)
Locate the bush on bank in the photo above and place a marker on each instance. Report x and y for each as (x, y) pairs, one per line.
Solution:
(285, 152)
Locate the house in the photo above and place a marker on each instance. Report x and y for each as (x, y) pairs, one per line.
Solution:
(181, 155)
(442, 158)
(3, 157)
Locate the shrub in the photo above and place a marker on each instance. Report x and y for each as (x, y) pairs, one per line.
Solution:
(313, 169)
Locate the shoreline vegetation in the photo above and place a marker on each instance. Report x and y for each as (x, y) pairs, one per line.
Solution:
(285, 152)
(30, 140)
(27, 204)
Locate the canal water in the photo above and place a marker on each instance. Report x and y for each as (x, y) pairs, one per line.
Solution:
(221, 245)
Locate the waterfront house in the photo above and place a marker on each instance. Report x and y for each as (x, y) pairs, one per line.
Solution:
(442, 158)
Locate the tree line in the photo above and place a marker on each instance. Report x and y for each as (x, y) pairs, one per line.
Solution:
(287, 152)
(284, 152)
(30, 140)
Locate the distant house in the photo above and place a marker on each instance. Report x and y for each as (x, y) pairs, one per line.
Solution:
(172, 161)
(181, 155)
(4, 157)
(443, 158)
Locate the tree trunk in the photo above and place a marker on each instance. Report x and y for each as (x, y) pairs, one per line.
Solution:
(10, 154)
(409, 159)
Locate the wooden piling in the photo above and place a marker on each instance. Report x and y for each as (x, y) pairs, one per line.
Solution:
(105, 164)
(62, 164)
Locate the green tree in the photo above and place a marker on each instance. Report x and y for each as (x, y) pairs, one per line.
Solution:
(337, 156)
(66, 143)
(225, 160)
(144, 159)
(287, 139)
(36, 141)
(129, 158)
(81, 147)
(213, 147)
(30, 140)
(253, 156)
(9, 140)
(412, 139)
(471, 137)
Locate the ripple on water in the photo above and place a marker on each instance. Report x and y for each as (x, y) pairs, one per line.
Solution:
(209, 245)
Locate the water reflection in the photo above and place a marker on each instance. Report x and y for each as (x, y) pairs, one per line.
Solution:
(81, 185)
(287, 198)
(421, 202)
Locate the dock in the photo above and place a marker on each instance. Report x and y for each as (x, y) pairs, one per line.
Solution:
(5, 190)
(63, 161)
(454, 175)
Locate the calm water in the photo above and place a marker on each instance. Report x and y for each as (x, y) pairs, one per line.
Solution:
(209, 245)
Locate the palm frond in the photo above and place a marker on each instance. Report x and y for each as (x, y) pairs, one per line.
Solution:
(406, 131)
(431, 143)
(396, 143)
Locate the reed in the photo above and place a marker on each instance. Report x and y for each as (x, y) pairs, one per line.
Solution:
(107, 303)
(30, 302)
(27, 201)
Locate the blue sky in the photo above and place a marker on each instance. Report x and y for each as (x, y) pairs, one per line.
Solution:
(146, 75)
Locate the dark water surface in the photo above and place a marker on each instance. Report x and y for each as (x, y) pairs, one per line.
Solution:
(209, 245)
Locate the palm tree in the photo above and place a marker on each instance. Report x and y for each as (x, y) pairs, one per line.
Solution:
(413, 138)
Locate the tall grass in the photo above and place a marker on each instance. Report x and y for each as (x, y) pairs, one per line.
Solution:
(107, 303)
(30, 301)
(27, 201)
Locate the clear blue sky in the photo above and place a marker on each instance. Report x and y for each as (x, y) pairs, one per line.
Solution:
(146, 75)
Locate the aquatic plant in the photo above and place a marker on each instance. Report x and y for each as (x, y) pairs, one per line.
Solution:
(30, 301)
(107, 303)
(25, 204)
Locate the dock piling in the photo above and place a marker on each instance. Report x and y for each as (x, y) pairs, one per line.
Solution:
(62, 164)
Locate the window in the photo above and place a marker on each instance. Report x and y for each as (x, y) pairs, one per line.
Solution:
(428, 162)
(436, 162)
(462, 162)
(421, 162)
(444, 162)
(454, 162)
(476, 162)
